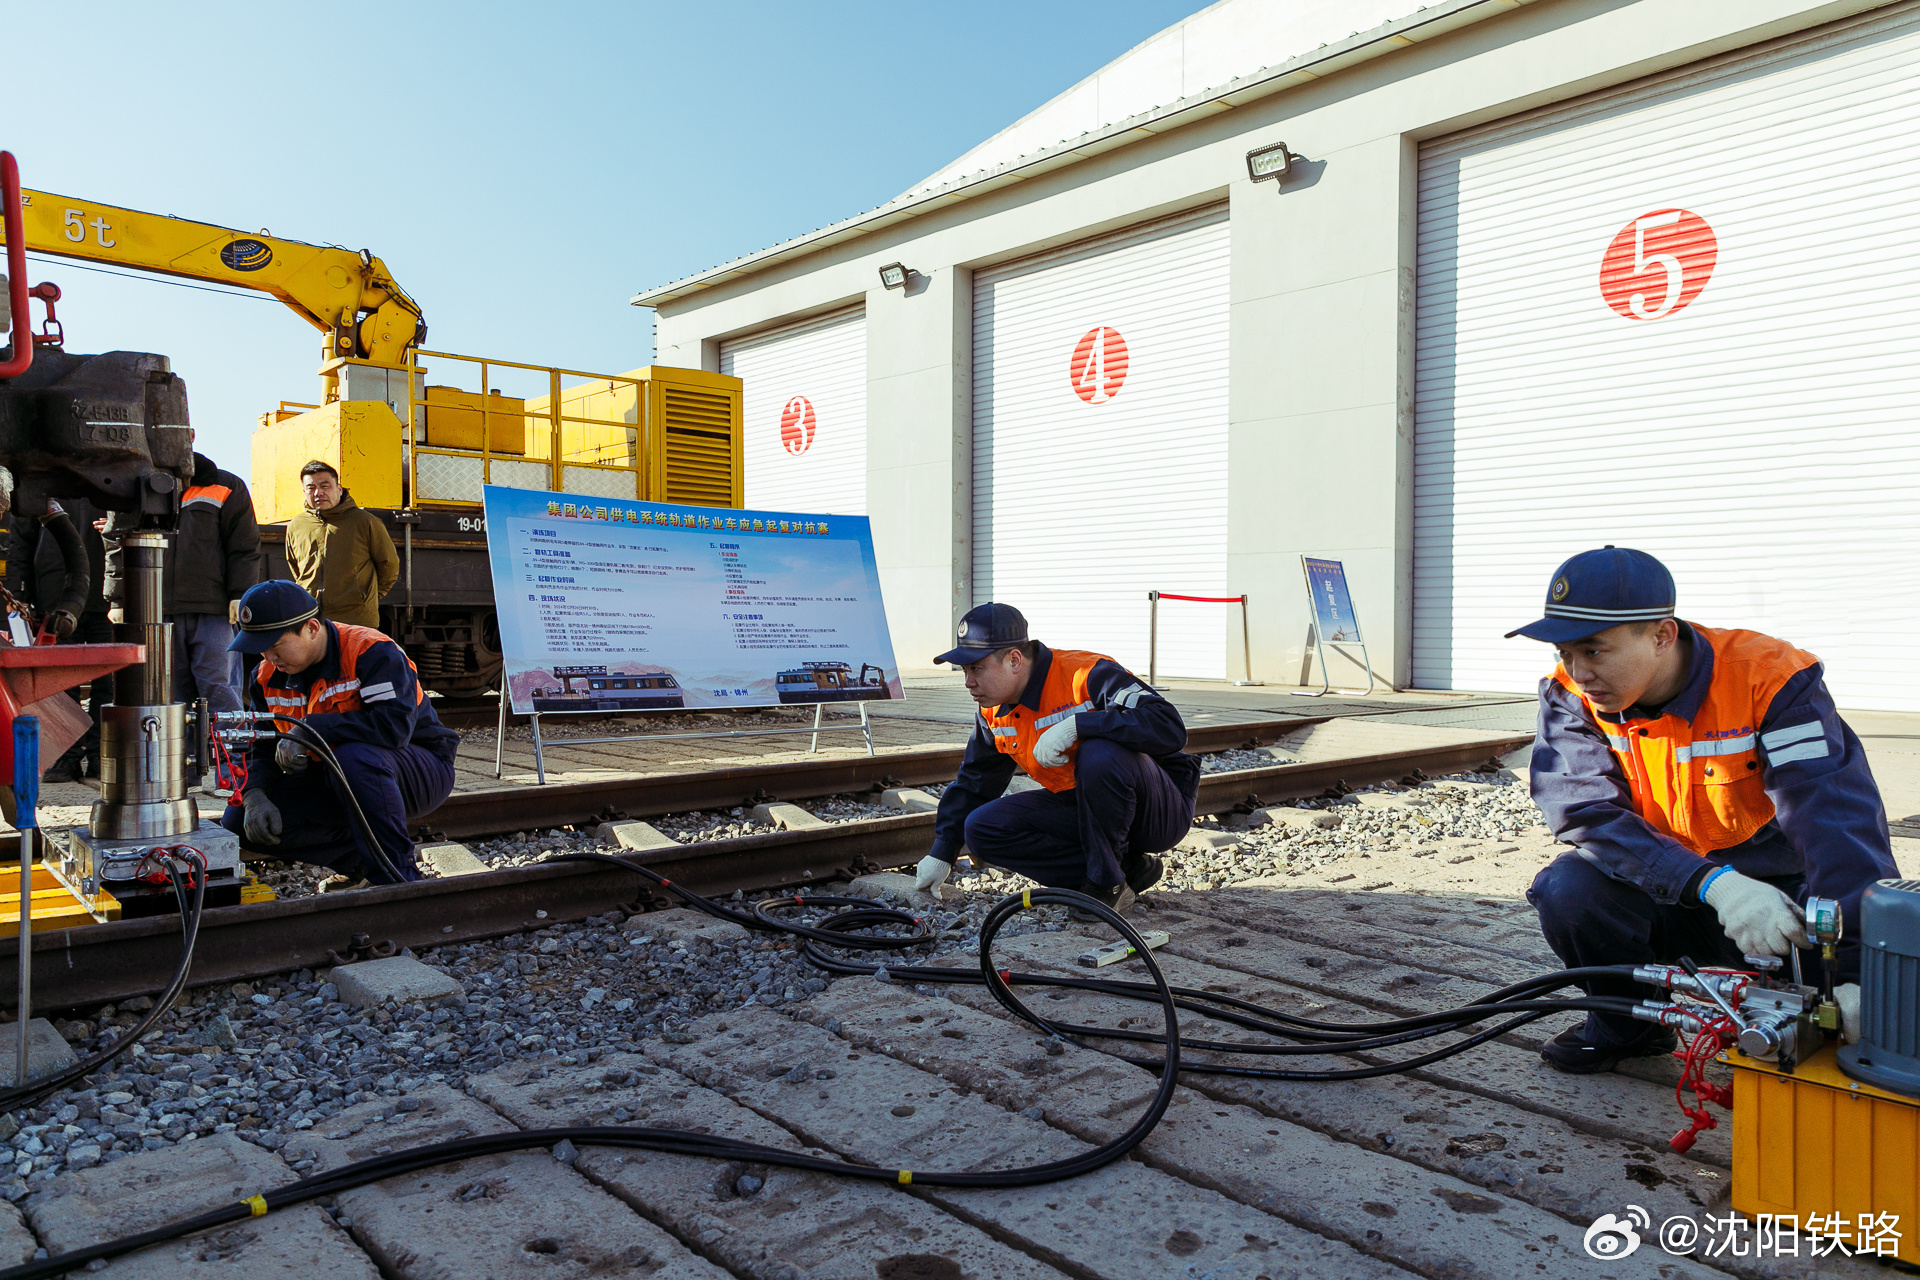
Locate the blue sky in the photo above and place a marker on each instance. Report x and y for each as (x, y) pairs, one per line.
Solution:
(523, 170)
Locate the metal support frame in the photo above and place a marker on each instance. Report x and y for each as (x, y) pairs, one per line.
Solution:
(1326, 685)
(864, 728)
(1153, 634)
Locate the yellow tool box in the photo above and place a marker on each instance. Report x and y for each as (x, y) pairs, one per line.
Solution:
(1818, 1143)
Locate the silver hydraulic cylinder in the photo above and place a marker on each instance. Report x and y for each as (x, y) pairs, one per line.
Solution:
(144, 740)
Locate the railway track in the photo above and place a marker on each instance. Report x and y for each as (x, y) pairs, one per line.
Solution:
(115, 961)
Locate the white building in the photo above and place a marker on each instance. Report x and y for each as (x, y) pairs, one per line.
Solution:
(1544, 274)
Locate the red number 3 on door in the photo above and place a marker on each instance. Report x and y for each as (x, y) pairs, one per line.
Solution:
(1658, 264)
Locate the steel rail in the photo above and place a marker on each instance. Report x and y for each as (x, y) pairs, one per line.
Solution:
(472, 813)
(113, 962)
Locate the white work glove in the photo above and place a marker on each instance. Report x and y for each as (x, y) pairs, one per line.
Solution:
(1050, 752)
(1761, 920)
(233, 612)
(1847, 996)
(930, 875)
(290, 756)
(262, 824)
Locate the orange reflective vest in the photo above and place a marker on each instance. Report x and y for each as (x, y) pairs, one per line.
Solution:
(1700, 781)
(209, 495)
(342, 693)
(1063, 694)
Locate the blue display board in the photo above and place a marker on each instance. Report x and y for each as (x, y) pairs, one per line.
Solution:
(1333, 614)
(607, 605)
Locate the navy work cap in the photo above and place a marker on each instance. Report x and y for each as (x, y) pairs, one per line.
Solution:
(1600, 589)
(987, 629)
(270, 610)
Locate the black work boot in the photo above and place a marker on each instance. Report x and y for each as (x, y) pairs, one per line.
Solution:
(1143, 871)
(1573, 1052)
(1118, 898)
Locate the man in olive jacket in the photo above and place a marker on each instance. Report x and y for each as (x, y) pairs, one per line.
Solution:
(341, 554)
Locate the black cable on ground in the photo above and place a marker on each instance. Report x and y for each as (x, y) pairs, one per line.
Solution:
(190, 897)
(681, 1142)
(844, 930)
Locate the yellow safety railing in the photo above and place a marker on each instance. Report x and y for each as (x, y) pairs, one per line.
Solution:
(589, 437)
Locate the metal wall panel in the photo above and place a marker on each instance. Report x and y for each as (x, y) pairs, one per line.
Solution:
(804, 413)
(1760, 436)
(1099, 461)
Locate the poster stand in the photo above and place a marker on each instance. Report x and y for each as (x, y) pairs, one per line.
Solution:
(865, 728)
(1334, 623)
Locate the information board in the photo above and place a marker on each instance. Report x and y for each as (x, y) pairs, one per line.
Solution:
(1332, 607)
(607, 605)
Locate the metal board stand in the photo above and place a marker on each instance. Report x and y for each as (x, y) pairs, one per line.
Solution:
(864, 728)
(1325, 686)
(1337, 603)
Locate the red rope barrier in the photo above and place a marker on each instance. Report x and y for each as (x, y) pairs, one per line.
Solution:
(1168, 595)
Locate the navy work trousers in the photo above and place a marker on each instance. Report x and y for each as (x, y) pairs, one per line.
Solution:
(1122, 805)
(202, 667)
(393, 787)
(1590, 918)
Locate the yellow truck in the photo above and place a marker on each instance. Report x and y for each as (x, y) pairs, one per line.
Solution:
(416, 433)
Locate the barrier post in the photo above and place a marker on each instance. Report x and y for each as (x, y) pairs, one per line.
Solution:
(1246, 648)
(1153, 633)
(1153, 639)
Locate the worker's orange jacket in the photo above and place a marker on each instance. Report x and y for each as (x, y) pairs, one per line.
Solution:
(1064, 693)
(1700, 780)
(364, 689)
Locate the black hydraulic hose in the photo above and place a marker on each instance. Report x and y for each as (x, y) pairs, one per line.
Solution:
(846, 930)
(682, 1142)
(73, 559)
(27, 1093)
(1320, 1037)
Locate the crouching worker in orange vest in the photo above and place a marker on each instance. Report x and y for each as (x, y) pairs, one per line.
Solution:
(357, 690)
(1106, 748)
(1707, 786)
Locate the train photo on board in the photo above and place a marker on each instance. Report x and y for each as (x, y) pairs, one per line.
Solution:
(831, 682)
(604, 692)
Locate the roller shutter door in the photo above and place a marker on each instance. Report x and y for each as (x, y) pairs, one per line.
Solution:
(1758, 434)
(1100, 441)
(804, 413)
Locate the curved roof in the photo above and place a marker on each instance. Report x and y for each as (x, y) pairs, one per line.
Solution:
(1223, 42)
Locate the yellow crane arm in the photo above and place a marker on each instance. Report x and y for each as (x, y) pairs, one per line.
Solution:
(347, 295)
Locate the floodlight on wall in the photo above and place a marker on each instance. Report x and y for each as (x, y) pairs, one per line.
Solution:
(1269, 162)
(894, 275)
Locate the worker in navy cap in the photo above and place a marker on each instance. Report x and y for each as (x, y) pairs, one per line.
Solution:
(1707, 786)
(355, 690)
(1106, 749)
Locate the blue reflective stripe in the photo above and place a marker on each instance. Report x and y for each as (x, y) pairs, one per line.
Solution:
(1803, 751)
(1715, 747)
(1047, 721)
(1778, 738)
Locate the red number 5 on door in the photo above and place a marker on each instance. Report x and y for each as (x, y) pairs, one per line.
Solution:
(1658, 264)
